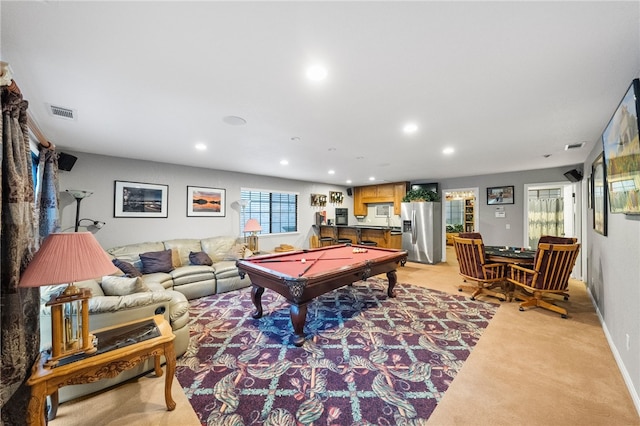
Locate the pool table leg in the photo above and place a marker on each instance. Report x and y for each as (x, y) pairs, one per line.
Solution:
(393, 278)
(298, 318)
(256, 296)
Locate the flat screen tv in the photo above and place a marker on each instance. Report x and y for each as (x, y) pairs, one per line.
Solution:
(432, 186)
(621, 148)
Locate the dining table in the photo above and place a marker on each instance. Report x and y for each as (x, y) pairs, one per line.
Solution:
(507, 254)
(513, 255)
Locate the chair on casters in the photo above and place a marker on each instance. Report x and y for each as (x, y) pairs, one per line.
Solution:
(551, 239)
(552, 267)
(473, 267)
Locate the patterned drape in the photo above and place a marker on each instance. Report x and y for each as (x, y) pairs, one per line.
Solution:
(546, 217)
(20, 327)
(47, 195)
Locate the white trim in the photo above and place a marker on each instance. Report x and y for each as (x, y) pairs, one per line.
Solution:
(616, 355)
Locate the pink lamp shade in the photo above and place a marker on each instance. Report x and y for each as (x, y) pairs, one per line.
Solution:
(67, 258)
(252, 225)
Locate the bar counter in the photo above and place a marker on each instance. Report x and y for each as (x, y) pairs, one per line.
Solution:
(383, 236)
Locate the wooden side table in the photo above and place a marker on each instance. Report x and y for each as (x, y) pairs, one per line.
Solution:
(46, 381)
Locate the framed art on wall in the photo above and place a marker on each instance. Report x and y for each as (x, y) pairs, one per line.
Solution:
(599, 195)
(135, 199)
(621, 146)
(500, 195)
(205, 202)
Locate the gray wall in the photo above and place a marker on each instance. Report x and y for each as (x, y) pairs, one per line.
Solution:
(97, 173)
(493, 229)
(613, 278)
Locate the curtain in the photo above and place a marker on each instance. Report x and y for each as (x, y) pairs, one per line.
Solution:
(20, 328)
(546, 217)
(47, 194)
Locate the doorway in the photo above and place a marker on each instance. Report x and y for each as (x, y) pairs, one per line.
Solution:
(552, 209)
(460, 213)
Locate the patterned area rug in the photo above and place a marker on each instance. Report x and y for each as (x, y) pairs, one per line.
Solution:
(367, 360)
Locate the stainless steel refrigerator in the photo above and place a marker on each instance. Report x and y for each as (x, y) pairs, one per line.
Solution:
(422, 231)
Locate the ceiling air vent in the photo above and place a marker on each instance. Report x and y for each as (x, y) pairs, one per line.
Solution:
(574, 146)
(61, 112)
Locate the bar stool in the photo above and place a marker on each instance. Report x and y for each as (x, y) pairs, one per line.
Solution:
(364, 242)
(323, 240)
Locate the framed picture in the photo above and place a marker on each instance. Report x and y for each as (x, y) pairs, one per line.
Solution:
(621, 148)
(500, 195)
(599, 195)
(205, 202)
(135, 199)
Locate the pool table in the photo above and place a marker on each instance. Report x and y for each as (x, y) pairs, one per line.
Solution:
(300, 276)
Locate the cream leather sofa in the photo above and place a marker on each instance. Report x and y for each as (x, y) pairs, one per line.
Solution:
(168, 294)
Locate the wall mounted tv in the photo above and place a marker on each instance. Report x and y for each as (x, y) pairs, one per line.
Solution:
(433, 186)
(621, 148)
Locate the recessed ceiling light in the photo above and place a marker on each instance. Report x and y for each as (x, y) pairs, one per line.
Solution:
(348, 180)
(234, 121)
(448, 151)
(372, 178)
(316, 72)
(410, 128)
(201, 147)
(284, 162)
(332, 172)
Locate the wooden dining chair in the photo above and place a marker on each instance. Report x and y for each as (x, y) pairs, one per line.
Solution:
(473, 267)
(550, 275)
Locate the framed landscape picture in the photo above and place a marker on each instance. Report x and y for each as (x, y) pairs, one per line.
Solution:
(500, 195)
(135, 199)
(205, 202)
(599, 195)
(621, 145)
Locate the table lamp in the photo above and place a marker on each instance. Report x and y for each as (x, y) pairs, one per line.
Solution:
(65, 258)
(252, 226)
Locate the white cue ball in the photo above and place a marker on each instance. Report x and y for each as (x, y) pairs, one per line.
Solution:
(303, 260)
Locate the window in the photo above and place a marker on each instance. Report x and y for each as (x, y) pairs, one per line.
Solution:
(277, 212)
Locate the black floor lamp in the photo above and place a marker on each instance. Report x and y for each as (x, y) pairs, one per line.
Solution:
(79, 195)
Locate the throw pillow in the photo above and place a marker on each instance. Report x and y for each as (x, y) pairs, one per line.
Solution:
(126, 267)
(122, 286)
(236, 252)
(200, 258)
(156, 261)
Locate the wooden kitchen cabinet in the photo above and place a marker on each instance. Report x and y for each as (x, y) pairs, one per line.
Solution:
(359, 206)
(384, 193)
(399, 191)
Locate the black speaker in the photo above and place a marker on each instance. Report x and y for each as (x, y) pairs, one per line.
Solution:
(66, 161)
(349, 192)
(573, 175)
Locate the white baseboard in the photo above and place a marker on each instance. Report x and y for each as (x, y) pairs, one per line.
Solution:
(616, 356)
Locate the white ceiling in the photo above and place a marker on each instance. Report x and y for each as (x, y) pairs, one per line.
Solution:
(503, 83)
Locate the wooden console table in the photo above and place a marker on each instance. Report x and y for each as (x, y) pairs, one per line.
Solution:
(46, 381)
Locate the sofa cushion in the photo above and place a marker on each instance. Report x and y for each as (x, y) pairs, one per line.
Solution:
(200, 258)
(163, 278)
(127, 268)
(191, 274)
(156, 261)
(217, 247)
(182, 247)
(122, 286)
(226, 269)
(131, 253)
